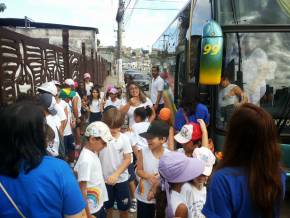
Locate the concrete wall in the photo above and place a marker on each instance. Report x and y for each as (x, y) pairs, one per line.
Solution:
(54, 36)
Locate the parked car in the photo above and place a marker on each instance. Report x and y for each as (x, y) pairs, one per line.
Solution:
(142, 80)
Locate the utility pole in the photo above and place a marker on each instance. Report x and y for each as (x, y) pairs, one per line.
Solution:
(119, 19)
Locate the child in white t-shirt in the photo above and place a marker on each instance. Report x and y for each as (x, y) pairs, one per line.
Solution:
(89, 170)
(115, 159)
(141, 125)
(147, 167)
(195, 190)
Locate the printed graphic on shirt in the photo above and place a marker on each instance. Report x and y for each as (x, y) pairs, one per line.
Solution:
(93, 196)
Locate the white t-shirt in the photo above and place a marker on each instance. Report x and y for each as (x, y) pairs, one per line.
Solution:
(53, 148)
(150, 165)
(131, 110)
(88, 87)
(67, 130)
(60, 110)
(89, 170)
(95, 106)
(112, 157)
(117, 103)
(138, 128)
(157, 85)
(195, 199)
(176, 199)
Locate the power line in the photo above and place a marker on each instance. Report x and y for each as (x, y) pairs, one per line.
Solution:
(131, 12)
(162, 1)
(155, 9)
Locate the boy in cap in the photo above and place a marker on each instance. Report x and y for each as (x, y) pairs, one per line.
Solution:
(89, 169)
(195, 191)
(147, 167)
(191, 136)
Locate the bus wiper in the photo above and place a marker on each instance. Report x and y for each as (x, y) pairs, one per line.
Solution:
(240, 74)
(283, 116)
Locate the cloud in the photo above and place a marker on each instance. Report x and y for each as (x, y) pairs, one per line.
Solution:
(142, 30)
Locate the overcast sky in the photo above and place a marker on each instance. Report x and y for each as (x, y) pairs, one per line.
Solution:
(141, 29)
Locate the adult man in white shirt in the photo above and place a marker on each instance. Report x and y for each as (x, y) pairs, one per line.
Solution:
(157, 87)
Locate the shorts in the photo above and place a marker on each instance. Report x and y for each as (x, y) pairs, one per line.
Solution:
(95, 117)
(131, 171)
(101, 213)
(120, 194)
(68, 141)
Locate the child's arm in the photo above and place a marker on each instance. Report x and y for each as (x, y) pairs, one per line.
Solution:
(112, 179)
(171, 139)
(204, 141)
(83, 186)
(181, 211)
(152, 178)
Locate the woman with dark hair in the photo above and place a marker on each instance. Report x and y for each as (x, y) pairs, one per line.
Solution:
(95, 105)
(190, 108)
(136, 98)
(249, 181)
(33, 184)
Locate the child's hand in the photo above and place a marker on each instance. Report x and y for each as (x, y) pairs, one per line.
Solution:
(153, 179)
(150, 196)
(112, 179)
(202, 125)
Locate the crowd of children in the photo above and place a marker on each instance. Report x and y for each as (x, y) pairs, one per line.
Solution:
(126, 166)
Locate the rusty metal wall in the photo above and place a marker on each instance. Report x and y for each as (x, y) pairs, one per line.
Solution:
(25, 63)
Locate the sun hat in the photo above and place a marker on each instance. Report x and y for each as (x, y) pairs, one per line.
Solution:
(207, 157)
(99, 129)
(48, 87)
(113, 90)
(87, 76)
(69, 82)
(175, 167)
(57, 83)
(189, 132)
(49, 102)
(165, 114)
(157, 128)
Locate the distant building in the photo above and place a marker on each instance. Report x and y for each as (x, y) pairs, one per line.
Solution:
(53, 33)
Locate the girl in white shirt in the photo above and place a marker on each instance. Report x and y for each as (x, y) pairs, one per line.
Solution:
(135, 99)
(175, 169)
(95, 105)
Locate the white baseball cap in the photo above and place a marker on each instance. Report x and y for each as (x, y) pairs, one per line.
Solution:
(69, 82)
(189, 132)
(48, 87)
(207, 157)
(99, 129)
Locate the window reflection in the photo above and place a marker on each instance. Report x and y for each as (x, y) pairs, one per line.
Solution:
(260, 68)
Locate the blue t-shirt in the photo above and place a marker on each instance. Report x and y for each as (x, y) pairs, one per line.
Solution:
(48, 191)
(201, 112)
(228, 195)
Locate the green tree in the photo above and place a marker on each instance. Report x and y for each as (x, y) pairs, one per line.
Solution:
(2, 7)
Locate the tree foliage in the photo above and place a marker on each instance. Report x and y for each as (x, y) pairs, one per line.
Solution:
(2, 7)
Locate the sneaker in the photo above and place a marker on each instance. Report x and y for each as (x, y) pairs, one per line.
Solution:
(133, 207)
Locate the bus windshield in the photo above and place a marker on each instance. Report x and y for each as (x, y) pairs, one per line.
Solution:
(253, 12)
(258, 63)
